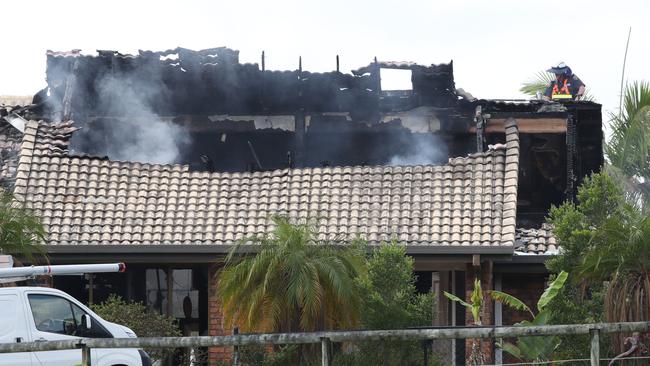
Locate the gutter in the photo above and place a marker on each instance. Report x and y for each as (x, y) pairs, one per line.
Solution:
(224, 249)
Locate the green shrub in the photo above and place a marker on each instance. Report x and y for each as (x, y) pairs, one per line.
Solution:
(391, 302)
(144, 322)
(599, 200)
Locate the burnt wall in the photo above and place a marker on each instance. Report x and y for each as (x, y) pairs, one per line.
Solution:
(181, 81)
(326, 141)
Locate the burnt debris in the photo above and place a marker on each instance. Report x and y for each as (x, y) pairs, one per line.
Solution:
(176, 105)
(212, 81)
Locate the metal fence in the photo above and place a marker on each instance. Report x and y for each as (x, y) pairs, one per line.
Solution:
(326, 338)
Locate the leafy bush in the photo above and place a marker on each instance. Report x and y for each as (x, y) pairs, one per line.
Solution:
(389, 294)
(391, 302)
(574, 226)
(141, 320)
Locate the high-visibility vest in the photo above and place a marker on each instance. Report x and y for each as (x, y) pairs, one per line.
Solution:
(561, 93)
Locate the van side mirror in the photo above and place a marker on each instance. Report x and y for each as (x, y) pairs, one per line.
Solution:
(85, 321)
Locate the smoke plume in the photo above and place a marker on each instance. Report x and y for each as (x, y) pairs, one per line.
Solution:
(141, 135)
(422, 149)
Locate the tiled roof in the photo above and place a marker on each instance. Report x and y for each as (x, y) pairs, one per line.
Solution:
(468, 203)
(536, 241)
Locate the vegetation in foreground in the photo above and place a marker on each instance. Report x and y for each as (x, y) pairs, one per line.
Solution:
(141, 320)
(293, 283)
(297, 283)
(21, 232)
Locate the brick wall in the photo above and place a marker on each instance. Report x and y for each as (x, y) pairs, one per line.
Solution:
(485, 273)
(526, 287)
(216, 355)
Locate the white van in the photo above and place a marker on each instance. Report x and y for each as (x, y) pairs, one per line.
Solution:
(37, 314)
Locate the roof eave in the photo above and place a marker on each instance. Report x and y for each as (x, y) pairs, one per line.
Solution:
(223, 249)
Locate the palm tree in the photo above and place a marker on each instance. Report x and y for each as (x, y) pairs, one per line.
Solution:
(628, 150)
(293, 283)
(620, 254)
(21, 232)
(541, 80)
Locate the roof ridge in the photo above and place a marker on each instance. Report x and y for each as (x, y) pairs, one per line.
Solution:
(25, 161)
(510, 182)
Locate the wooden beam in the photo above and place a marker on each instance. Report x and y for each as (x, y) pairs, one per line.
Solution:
(526, 125)
(331, 336)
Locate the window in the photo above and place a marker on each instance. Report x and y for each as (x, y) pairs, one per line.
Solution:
(53, 314)
(183, 294)
(395, 79)
(156, 290)
(185, 298)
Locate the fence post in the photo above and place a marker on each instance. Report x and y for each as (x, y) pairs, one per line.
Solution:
(85, 355)
(426, 345)
(235, 352)
(325, 351)
(595, 346)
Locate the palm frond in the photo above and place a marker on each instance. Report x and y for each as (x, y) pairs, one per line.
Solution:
(552, 290)
(293, 283)
(541, 80)
(511, 349)
(537, 84)
(457, 299)
(628, 149)
(510, 300)
(21, 231)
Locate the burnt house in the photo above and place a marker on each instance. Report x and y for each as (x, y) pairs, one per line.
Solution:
(164, 159)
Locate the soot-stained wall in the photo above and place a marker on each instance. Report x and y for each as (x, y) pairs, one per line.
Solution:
(178, 105)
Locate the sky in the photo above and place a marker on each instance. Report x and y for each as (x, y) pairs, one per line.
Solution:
(495, 45)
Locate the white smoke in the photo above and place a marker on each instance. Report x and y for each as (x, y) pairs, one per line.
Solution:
(423, 149)
(142, 136)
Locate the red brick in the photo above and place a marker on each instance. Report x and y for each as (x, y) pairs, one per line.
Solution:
(215, 321)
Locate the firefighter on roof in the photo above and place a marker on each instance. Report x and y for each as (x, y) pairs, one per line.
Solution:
(566, 85)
